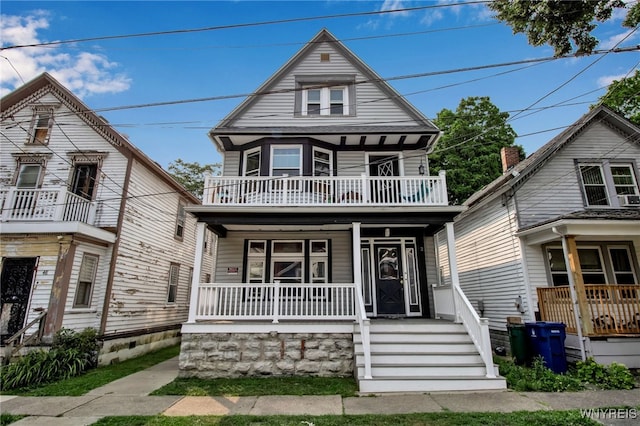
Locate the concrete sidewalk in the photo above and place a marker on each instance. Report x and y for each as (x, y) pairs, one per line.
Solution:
(130, 396)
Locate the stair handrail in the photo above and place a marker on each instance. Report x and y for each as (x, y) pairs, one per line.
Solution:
(478, 329)
(37, 336)
(365, 324)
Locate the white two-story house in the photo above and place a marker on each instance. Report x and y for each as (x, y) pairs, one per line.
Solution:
(325, 215)
(557, 238)
(94, 233)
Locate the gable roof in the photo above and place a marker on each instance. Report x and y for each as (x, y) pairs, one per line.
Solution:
(527, 167)
(45, 83)
(226, 125)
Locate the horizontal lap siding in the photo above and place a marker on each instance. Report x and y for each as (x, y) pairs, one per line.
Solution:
(350, 163)
(69, 134)
(147, 249)
(81, 318)
(555, 190)
(372, 106)
(490, 262)
(231, 163)
(231, 253)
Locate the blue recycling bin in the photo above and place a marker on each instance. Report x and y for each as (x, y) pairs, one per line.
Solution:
(546, 339)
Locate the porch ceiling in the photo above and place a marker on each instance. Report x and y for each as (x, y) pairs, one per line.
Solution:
(287, 218)
(582, 229)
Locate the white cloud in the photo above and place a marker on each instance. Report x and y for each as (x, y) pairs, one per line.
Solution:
(84, 73)
(395, 5)
(606, 80)
(613, 41)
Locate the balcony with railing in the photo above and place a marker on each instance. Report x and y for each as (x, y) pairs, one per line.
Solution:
(610, 309)
(45, 205)
(326, 190)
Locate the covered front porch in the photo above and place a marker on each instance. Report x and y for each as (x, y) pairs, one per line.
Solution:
(593, 286)
(331, 321)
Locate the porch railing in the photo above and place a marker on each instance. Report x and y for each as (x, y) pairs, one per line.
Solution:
(51, 204)
(613, 309)
(19, 339)
(326, 190)
(276, 301)
(478, 328)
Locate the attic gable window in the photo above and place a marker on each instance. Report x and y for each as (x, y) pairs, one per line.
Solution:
(325, 96)
(609, 183)
(325, 101)
(41, 124)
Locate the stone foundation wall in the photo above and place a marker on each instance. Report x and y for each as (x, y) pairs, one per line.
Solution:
(215, 355)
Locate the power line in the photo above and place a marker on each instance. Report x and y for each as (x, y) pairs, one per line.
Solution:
(243, 25)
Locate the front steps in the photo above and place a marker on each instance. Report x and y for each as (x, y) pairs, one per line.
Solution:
(418, 355)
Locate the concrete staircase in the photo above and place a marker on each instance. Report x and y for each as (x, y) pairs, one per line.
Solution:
(421, 355)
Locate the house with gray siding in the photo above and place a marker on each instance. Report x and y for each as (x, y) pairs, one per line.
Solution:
(325, 216)
(557, 238)
(94, 233)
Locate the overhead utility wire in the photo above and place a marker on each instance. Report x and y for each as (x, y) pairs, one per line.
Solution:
(244, 25)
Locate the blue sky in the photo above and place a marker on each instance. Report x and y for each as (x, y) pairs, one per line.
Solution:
(109, 74)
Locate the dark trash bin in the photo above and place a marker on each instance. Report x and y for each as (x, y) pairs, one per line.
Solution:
(546, 339)
(518, 343)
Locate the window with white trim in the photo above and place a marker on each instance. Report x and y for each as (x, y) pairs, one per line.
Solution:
(322, 162)
(252, 162)
(332, 100)
(319, 261)
(29, 176)
(617, 266)
(607, 183)
(174, 275)
(256, 258)
(287, 261)
(41, 124)
(286, 160)
(86, 281)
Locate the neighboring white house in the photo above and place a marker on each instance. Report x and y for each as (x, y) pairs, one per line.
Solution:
(325, 215)
(94, 233)
(557, 238)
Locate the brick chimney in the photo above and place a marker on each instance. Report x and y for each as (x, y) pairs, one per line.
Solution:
(510, 157)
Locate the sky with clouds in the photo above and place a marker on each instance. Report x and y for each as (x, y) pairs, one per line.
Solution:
(231, 48)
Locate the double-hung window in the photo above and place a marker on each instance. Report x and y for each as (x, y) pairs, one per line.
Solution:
(333, 100)
(252, 162)
(86, 280)
(174, 275)
(181, 219)
(608, 183)
(286, 160)
(322, 162)
(41, 125)
(29, 176)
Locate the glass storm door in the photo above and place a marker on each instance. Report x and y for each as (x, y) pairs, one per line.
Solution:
(388, 279)
(15, 288)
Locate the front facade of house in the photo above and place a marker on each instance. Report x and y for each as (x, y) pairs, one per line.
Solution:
(557, 238)
(325, 214)
(83, 243)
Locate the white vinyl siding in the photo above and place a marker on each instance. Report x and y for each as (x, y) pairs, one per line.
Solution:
(556, 190)
(277, 109)
(490, 262)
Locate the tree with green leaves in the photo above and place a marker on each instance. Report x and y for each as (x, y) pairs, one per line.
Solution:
(192, 175)
(623, 96)
(469, 149)
(562, 24)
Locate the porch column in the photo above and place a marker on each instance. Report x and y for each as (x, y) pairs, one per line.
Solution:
(576, 281)
(453, 267)
(201, 228)
(60, 287)
(357, 258)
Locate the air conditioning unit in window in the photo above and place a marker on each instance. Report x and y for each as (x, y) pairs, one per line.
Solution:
(629, 200)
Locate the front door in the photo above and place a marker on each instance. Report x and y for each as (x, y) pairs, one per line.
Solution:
(388, 279)
(383, 190)
(15, 287)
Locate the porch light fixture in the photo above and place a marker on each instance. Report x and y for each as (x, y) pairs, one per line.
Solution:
(387, 232)
(421, 168)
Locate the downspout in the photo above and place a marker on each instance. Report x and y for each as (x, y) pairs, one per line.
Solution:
(572, 290)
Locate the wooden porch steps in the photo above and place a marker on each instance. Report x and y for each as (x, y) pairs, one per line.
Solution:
(421, 356)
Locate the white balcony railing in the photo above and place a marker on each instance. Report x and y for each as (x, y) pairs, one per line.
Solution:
(276, 301)
(326, 190)
(51, 204)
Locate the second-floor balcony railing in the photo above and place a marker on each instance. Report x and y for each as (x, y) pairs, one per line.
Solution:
(45, 204)
(326, 190)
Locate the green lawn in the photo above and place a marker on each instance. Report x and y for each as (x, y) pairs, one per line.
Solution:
(100, 376)
(556, 418)
(257, 386)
